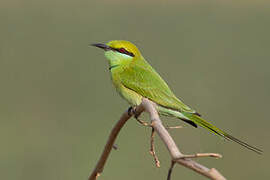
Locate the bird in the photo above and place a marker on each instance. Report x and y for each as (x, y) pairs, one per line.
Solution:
(134, 79)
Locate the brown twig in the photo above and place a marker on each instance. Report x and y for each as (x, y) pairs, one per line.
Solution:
(176, 155)
(197, 155)
(170, 170)
(152, 148)
(174, 127)
(109, 145)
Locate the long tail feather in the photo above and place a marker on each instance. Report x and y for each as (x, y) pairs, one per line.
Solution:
(203, 123)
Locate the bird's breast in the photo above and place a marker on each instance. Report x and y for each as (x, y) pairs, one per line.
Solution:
(131, 96)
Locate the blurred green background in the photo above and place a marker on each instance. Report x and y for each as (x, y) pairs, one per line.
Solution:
(57, 104)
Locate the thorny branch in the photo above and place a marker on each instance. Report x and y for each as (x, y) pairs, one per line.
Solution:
(176, 155)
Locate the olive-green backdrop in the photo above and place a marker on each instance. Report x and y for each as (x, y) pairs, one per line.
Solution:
(57, 104)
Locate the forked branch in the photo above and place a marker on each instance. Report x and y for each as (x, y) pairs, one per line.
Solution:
(176, 155)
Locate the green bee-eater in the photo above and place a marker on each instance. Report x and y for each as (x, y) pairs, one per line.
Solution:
(135, 79)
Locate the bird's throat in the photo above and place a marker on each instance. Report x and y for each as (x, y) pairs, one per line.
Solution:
(117, 59)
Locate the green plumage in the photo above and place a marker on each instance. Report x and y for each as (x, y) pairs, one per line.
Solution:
(135, 79)
(143, 79)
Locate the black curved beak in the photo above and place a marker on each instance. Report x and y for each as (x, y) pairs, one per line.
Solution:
(102, 46)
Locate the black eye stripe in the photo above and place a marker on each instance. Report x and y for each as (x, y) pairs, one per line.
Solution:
(124, 51)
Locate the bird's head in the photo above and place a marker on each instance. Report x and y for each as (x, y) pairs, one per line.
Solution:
(119, 51)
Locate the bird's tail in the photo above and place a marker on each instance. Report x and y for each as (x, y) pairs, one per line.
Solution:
(203, 123)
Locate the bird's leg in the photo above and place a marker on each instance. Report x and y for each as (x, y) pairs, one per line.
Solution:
(131, 111)
(152, 148)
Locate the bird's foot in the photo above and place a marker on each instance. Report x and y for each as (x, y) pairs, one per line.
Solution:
(131, 111)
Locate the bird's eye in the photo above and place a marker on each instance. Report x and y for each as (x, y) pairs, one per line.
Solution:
(122, 50)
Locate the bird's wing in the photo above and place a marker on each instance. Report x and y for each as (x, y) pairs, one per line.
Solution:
(144, 80)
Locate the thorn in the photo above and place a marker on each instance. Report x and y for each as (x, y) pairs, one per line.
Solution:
(115, 147)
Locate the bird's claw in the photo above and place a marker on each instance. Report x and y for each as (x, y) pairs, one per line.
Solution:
(132, 111)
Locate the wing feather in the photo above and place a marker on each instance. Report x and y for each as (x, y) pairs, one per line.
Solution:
(144, 80)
